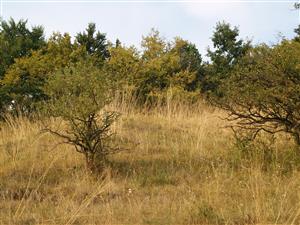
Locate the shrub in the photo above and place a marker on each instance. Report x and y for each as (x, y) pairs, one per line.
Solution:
(263, 91)
(79, 95)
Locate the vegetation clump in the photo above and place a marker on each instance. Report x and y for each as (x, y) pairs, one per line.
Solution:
(263, 91)
(79, 95)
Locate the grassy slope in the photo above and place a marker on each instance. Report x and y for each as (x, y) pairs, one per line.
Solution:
(181, 168)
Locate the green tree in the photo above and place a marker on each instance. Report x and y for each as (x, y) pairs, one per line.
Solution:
(167, 65)
(123, 65)
(190, 62)
(78, 95)
(153, 46)
(263, 91)
(23, 81)
(17, 40)
(152, 76)
(94, 42)
(118, 43)
(297, 31)
(228, 49)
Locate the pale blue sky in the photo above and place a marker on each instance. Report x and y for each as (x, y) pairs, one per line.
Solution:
(261, 22)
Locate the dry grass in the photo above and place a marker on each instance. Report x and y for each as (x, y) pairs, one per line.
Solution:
(182, 167)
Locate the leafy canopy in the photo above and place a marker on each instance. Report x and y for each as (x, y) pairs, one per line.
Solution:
(78, 95)
(263, 91)
(24, 80)
(165, 65)
(94, 42)
(228, 49)
(17, 40)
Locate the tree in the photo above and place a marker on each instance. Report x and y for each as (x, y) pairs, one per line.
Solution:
(263, 91)
(166, 65)
(190, 62)
(153, 46)
(153, 74)
(297, 31)
(94, 42)
(79, 95)
(22, 84)
(228, 50)
(123, 65)
(17, 40)
(118, 43)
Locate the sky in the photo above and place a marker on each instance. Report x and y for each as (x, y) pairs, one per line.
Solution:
(193, 20)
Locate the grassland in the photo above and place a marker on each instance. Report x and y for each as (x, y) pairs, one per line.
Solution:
(181, 166)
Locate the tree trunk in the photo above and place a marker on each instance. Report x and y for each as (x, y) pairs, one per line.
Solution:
(95, 164)
(90, 162)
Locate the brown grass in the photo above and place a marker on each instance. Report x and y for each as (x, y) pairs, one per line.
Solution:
(182, 167)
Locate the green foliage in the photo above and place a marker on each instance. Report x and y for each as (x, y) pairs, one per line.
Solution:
(165, 65)
(153, 46)
(297, 31)
(123, 65)
(188, 70)
(190, 62)
(17, 40)
(263, 91)
(77, 91)
(161, 67)
(78, 94)
(154, 69)
(21, 86)
(24, 80)
(227, 51)
(94, 42)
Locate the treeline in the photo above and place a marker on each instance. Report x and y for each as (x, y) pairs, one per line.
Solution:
(28, 59)
(259, 85)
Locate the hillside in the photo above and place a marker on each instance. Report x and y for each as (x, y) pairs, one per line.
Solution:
(180, 166)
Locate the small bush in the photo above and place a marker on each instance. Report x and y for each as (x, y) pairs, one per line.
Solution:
(79, 95)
